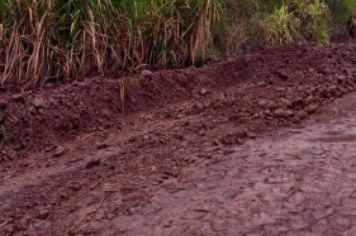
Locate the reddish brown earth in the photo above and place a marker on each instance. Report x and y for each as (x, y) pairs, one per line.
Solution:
(262, 144)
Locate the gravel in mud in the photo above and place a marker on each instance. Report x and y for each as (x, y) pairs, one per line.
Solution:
(261, 144)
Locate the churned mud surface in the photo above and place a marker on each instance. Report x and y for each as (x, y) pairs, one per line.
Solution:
(263, 144)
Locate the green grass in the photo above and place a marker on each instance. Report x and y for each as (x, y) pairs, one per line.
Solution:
(67, 39)
(70, 39)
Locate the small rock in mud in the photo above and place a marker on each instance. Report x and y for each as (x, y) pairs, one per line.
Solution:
(216, 142)
(38, 102)
(261, 219)
(239, 141)
(261, 84)
(340, 78)
(311, 70)
(74, 186)
(201, 132)
(282, 113)
(147, 74)
(281, 89)
(179, 115)
(109, 188)
(301, 114)
(332, 89)
(203, 91)
(218, 225)
(309, 100)
(43, 214)
(257, 115)
(251, 135)
(285, 102)
(283, 75)
(311, 108)
(198, 106)
(132, 139)
(102, 146)
(344, 89)
(49, 149)
(93, 163)
(262, 103)
(3, 104)
(59, 151)
(227, 140)
(241, 134)
(205, 208)
(110, 216)
(297, 102)
(272, 105)
(267, 112)
(17, 97)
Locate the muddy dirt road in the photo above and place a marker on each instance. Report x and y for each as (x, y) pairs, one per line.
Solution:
(258, 145)
(299, 182)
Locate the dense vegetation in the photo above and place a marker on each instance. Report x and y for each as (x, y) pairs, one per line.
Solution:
(68, 39)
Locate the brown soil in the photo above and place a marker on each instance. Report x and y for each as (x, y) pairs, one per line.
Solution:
(199, 151)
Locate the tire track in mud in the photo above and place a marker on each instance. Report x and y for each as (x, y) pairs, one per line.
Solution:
(170, 170)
